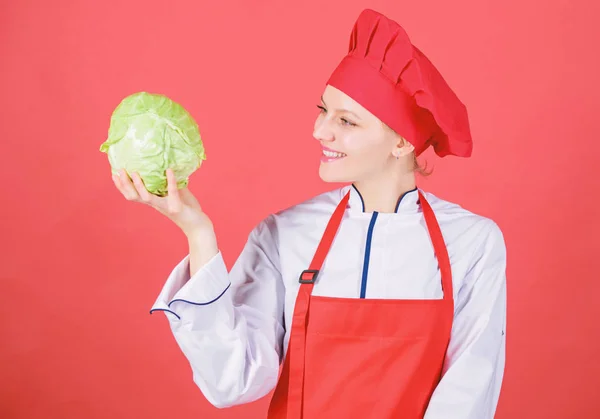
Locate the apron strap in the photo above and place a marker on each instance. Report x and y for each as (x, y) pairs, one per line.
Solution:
(439, 247)
(297, 344)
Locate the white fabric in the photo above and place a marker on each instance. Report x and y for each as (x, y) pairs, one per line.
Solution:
(232, 326)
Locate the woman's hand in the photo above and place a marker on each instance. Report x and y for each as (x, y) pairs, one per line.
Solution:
(180, 205)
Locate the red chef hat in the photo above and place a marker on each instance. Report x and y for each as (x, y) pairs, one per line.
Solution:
(393, 80)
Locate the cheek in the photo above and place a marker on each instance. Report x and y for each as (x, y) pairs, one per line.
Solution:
(364, 147)
(354, 143)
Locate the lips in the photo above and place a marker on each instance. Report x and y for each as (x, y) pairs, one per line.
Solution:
(328, 155)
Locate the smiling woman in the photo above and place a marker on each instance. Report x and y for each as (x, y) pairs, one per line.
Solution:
(359, 148)
(377, 299)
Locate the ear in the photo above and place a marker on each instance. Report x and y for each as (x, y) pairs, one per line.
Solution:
(403, 148)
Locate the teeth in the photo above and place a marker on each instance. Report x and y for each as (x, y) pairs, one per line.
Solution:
(333, 154)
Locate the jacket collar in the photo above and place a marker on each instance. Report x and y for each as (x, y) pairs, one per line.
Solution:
(406, 202)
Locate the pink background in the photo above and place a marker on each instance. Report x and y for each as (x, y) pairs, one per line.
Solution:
(81, 266)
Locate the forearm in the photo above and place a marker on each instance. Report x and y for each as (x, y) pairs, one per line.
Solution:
(203, 247)
(234, 353)
(234, 349)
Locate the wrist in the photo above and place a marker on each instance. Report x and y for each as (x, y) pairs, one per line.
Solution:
(199, 233)
(198, 228)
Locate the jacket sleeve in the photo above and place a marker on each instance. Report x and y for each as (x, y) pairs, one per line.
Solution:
(474, 365)
(229, 325)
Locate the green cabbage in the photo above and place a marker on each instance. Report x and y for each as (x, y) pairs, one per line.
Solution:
(150, 133)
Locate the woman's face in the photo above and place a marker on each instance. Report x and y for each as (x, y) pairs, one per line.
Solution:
(357, 146)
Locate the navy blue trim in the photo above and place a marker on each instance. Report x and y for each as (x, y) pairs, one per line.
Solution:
(365, 274)
(397, 204)
(402, 197)
(202, 304)
(189, 302)
(164, 309)
(361, 198)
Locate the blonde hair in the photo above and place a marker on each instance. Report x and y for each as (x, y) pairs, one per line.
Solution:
(422, 170)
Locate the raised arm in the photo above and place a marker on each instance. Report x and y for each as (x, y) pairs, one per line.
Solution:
(229, 325)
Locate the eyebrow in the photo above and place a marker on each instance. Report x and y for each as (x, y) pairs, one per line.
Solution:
(342, 110)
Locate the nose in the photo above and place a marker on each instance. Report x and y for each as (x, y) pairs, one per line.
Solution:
(322, 131)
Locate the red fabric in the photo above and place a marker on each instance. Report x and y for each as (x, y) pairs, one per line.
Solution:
(396, 82)
(357, 358)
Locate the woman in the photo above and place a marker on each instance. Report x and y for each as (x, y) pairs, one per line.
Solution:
(382, 301)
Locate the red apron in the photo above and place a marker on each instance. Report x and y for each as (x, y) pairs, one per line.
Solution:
(364, 358)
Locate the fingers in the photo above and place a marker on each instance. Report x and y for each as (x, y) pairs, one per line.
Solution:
(125, 186)
(133, 189)
(141, 190)
(174, 200)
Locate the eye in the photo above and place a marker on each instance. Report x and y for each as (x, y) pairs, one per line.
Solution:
(323, 110)
(347, 122)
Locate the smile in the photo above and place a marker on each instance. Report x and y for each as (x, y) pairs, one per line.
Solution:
(333, 154)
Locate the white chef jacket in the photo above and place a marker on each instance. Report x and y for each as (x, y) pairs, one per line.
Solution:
(233, 327)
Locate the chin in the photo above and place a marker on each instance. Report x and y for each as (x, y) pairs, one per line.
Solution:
(329, 174)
